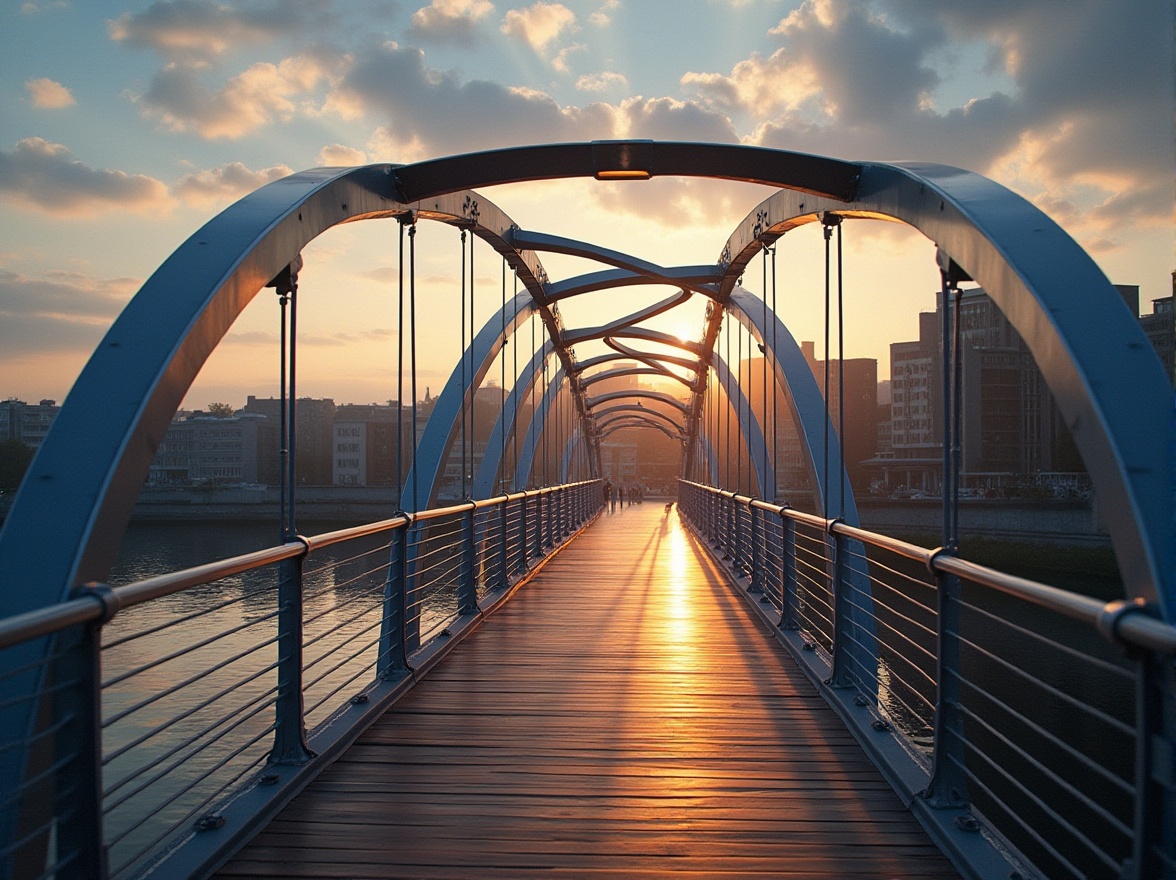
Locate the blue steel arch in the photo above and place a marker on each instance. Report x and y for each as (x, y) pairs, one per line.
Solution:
(1108, 382)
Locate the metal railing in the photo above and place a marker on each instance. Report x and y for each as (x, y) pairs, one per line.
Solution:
(187, 707)
(999, 706)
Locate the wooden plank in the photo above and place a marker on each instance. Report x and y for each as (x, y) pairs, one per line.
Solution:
(624, 715)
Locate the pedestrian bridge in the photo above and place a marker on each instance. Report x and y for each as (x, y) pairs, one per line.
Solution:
(531, 680)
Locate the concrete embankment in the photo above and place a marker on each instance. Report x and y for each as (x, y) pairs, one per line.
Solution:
(1061, 523)
(1067, 523)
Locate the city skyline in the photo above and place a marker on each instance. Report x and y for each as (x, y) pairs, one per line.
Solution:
(128, 124)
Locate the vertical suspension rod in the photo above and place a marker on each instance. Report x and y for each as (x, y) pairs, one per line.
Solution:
(413, 355)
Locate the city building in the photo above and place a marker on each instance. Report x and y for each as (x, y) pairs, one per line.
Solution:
(27, 422)
(1160, 328)
(314, 437)
(365, 446)
(202, 449)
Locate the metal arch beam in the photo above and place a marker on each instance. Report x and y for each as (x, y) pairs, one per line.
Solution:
(571, 337)
(637, 408)
(805, 401)
(811, 174)
(535, 429)
(618, 372)
(698, 279)
(639, 415)
(649, 335)
(443, 425)
(751, 433)
(660, 396)
(1107, 381)
(636, 422)
(93, 462)
(88, 471)
(623, 352)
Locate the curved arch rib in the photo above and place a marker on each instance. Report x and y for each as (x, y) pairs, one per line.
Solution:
(1103, 374)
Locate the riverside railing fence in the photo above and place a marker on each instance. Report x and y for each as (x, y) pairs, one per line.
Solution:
(998, 707)
(188, 708)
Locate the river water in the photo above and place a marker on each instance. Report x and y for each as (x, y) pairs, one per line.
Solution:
(189, 680)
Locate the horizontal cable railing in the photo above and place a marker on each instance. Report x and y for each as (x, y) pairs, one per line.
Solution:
(1055, 693)
(208, 682)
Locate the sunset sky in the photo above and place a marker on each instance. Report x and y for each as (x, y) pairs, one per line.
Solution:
(124, 126)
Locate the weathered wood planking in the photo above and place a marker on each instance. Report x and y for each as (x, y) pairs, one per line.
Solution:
(624, 715)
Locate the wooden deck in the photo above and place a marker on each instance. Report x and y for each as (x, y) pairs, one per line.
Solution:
(624, 715)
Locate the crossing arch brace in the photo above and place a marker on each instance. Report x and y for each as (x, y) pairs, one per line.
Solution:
(1108, 384)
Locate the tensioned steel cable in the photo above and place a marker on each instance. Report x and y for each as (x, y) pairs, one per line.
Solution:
(739, 403)
(514, 432)
(764, 370)
(293, 461)
(840, 379)
(775, 381)
(400, 376)
(473, 390)
(284, 441)
(828, 232)
(502, 390)
(464, 386)
(413, 354)
(727, 408)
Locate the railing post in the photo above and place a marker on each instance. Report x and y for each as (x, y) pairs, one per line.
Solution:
(76, 684)
(842, 676)
(1154, 843)
(948, 786)
(503, 544)
(525, 550)
(757, 552)
(729, 517)
(467, 591)
(789, 598)
(393, 659)
(289, 721)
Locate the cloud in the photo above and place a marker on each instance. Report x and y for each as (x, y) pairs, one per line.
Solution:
(539, 24)
(199, 30)
(30, 7)
(603, 81)
(449, 21)
(45, 176)
(256, 97)
(338, 155)
(560, 61)
(431, 112)
(670, 120)
(602, 17)
(219, 186)
(58, 312)
(46, 94)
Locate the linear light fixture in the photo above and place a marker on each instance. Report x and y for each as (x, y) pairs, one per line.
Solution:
(622, 160)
